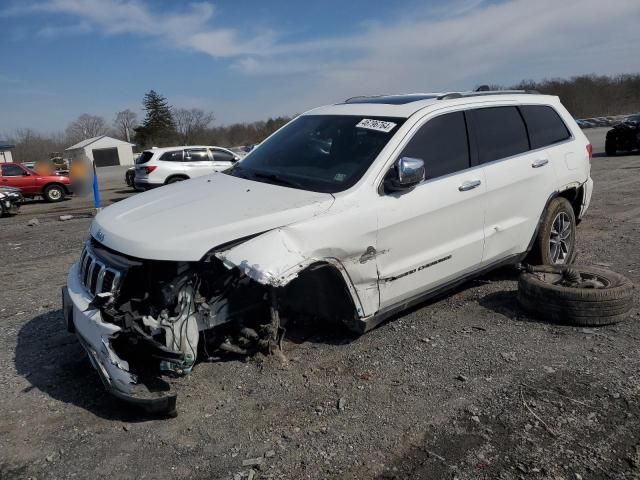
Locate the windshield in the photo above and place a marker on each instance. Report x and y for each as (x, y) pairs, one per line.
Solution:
(633, 118)
(322, 153)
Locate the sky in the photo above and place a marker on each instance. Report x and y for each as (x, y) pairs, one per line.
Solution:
(247, 60)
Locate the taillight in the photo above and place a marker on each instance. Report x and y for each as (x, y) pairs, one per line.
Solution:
(590, 151)
(150, 169)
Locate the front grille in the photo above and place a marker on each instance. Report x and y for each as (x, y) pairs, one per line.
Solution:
(95, 275)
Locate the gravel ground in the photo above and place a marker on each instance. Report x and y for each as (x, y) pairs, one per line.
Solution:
(464, 387)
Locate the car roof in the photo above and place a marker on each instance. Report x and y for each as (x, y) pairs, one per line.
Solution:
(405, 105)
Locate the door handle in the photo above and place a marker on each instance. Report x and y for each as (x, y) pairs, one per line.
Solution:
(540, 163)
(470, 185)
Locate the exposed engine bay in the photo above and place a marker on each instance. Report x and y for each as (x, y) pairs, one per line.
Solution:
(169, 314)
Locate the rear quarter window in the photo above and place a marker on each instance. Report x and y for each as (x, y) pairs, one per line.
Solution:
(545, 125)
(144, 157)
(500, 132)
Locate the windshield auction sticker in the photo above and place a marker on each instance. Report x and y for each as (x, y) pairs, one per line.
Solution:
(378, 125)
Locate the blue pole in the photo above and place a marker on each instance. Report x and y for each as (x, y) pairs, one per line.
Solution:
(96, 190)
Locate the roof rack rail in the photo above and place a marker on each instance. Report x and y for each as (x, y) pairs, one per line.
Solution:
(449, 96)
(358, 97)
(480, 93)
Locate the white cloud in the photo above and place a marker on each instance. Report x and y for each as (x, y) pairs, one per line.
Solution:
(452, 44)
(188, 29)
(460, 45)
(55, 31)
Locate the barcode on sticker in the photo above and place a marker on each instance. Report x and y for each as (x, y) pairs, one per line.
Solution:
(379, 125)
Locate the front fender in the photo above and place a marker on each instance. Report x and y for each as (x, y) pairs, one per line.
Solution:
(277, 257)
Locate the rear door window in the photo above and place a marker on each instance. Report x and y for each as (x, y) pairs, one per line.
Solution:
(500, 132)
(442, 144)
(172, 156)
(545, 125)
(196, 155)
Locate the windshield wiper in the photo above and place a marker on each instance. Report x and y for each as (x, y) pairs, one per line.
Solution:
(274, 177)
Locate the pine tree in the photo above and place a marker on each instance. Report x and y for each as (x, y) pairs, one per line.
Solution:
(158, 127)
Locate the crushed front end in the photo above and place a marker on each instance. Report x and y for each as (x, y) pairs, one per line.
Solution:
(143, 322)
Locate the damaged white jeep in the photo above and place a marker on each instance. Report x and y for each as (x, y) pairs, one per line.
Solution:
(351, 212)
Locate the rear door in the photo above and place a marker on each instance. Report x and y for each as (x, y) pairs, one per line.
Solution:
(519, 180)
(547, 130)
(197, 162)
(433, 233)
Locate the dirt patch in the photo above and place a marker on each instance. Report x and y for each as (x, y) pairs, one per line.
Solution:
(460, 387)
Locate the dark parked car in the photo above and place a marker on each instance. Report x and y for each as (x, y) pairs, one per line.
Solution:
(53, 188)
(624, 137)
(10, 200)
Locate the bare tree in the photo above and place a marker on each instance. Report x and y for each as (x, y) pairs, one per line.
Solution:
(86, 126)
(124, 123)
(33, 146)
(191, 122)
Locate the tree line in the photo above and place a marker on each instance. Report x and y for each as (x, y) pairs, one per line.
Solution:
(587, 96)
(164, 125)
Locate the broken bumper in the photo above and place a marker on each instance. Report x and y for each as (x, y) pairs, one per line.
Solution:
(95, 336)
(586, 199)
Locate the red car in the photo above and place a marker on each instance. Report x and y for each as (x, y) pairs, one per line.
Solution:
(53, 188)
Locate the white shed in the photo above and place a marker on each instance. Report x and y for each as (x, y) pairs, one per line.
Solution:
(103, 151)
(5, 152)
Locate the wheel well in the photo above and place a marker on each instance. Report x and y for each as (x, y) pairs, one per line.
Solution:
(320, 292)
(179, 175)
(575, 196)
(61, 185)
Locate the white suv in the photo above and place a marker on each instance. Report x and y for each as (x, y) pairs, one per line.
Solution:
(160, 166)
(352, 212)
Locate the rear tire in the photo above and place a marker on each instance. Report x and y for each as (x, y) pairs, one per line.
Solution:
(556, 240)
(610, 147)
(54, 193)
(130, 178)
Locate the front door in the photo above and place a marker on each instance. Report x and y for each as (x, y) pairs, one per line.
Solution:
(433, 233)
(222, 159)
(197, 162)
(14, 175)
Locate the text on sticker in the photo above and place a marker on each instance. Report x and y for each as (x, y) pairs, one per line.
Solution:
(379, 125)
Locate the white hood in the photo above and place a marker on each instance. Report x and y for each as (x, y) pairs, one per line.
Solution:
(185, 220)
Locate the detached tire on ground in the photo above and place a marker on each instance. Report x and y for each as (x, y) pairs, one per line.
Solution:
(571, 295)
(54, 193)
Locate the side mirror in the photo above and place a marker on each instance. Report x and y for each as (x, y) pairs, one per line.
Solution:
(406, 174)
(25, 173)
